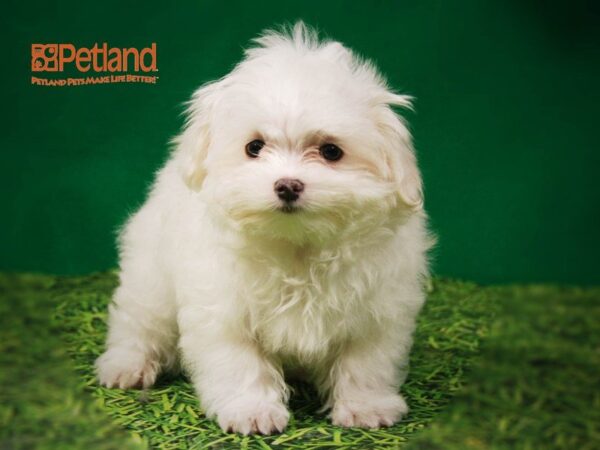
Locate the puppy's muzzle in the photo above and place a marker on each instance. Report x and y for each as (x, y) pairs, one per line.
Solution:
(288, 189)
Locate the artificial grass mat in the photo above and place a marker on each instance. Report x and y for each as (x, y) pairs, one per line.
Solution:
(510, 367)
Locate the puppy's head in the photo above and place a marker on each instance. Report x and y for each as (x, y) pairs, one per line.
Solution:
(299, 141)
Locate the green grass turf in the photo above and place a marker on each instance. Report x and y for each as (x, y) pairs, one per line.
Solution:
(512, 367)
(42, 403)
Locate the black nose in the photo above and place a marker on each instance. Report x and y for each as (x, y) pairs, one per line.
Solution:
(288, 189)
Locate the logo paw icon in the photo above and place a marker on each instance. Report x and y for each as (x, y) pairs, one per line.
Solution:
(44, 57)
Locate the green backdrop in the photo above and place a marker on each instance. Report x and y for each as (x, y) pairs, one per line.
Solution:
(506, 123)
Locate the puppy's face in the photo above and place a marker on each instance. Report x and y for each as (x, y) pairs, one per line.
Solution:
(301, 145)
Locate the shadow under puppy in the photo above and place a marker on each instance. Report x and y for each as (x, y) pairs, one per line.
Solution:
(285, 231)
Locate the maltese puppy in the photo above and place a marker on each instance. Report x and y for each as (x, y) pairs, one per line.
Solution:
(285, 234)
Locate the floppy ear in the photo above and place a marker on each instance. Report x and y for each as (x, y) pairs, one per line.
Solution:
(403, 169)
(192, 144)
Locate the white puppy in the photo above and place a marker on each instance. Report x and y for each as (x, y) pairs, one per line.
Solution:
(286, 232)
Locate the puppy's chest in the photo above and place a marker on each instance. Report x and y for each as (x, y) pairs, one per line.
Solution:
(308, 312)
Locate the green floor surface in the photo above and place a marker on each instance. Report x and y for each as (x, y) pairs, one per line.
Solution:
(499, 368)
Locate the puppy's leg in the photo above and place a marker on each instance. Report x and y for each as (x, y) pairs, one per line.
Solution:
(142, 335)
(364, 381)
(235, 381)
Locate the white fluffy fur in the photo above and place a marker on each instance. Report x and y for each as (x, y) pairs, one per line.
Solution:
(211, 269)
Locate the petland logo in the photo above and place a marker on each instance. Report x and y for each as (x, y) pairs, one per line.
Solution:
(108, 64)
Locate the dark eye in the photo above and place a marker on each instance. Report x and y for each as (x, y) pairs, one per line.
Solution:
(331, 152)
(254, 147)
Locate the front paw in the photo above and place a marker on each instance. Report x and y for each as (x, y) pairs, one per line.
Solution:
(126, 368)
(248, 415)
(368, 410)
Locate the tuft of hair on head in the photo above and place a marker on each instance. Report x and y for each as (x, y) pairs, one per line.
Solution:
(304, 39)
(299, 36)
